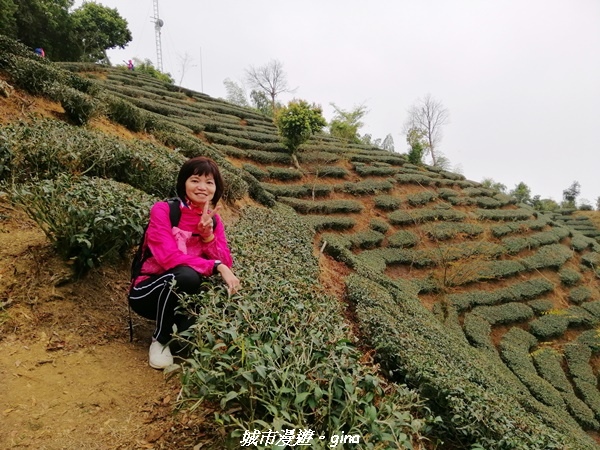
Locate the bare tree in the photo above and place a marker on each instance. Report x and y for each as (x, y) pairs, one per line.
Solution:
(428, 116)
(270, 79)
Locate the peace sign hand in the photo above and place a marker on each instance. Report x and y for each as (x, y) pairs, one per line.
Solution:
(205, 226)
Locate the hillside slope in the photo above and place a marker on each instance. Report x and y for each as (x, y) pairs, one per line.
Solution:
(487, 308)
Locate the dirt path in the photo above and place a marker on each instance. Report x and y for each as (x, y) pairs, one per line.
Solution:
(69, 377)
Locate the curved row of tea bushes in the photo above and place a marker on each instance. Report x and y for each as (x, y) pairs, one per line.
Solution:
(520, 226)
(359, 240)
(296, 368)
(298, 190)
(515, 245)
(505, 313)
(448, 230)
(548, 364)
(577, 356)
(477, 403)
(425, 215)
(364, 187)
(323, 206)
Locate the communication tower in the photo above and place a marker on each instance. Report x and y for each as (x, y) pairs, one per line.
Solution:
(158, 24)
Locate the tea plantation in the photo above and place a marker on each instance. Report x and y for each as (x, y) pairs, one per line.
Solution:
(468, 321)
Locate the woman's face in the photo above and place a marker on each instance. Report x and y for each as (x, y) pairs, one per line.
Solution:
(200, 189)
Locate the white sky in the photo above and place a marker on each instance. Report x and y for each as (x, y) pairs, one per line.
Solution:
(521, 78)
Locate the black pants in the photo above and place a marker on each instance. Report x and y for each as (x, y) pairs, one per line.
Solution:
(155, 298)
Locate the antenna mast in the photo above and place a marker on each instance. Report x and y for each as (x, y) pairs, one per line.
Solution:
(158, 23)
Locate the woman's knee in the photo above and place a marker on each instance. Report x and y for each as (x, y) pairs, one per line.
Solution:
(187, 279)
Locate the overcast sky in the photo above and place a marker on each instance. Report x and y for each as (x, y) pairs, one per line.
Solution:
(521, 78)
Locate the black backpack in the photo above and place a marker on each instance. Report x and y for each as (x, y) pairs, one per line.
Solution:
(143, 252)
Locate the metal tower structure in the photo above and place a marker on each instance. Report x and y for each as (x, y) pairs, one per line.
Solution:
(158, 24)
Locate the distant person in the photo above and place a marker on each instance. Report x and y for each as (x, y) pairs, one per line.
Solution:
(185, 254)
(130, 65)
(40, 52)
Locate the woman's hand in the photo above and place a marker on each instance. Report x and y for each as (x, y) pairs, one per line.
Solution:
(205, 226)
(233, 283)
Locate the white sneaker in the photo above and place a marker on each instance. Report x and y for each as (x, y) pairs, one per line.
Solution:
(159, 355)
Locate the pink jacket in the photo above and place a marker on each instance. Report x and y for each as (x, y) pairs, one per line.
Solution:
(181, 245)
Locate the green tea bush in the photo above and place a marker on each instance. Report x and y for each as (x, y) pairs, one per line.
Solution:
(593, 308)
(296, 368)
(284, 174)
(124, 113)
(322, 206)
(38, 77)
(478, 331)
(263, 157)
(591, 259)
(504, 199)
(424, 215)
(519, 227)
(577, 356)
(477, 404)
(553, 324)
(374, 171)
(365, 187)
(231, 151)
(256, 171)
(315, 157)
(549, 256)
(541, 305)
(503, 214)
(447, 193)
(487, 202)
(504, 313)
(580, 294)
(569, 277)
(365, 239)
(46, 148)
(410, 178)
(514, 350)
(331, 171)
(79, 107)
(379, 225)
(403, 239)
(337, 223)
(517, 292)
(580, 242)
(386, 202)
(548, 364)
(448, 230)
(394, 160)
(421, 198)
(88, 220)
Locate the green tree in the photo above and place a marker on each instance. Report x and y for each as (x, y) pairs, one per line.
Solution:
(98, 28)
(345, 124)
(297, 122)
(417, 145)
(570, 194)
(522, 193)
(148, 68)
(8, 22)
(544, 204)
(46, 24)
(491, 184)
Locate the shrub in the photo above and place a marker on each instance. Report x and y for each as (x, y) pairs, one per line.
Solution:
(424, 215)
(365, 187)
(520, 291)
(79, 107)
(447, 230)
(410, 178)
(569, 277)
(368, 171)
(124, 113)
(47, 148)
(330, 222)
(331, 171)
(88, 220)
(386, 202)
(549, 256)
(294, 368)
(402, 239)
(256, 171)
(514, 349)
(579, 294)
(553, 324)
(379, 225)
(503, 214)
(541, 305)
(284, 174)
(505, 313)
(421, 198)
(323, 206)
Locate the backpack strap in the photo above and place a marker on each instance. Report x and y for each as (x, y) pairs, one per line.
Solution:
(174, 211)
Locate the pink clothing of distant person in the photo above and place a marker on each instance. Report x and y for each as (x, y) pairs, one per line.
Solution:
(181, 245)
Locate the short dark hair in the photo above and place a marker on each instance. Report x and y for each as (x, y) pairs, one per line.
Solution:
(200, 165)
